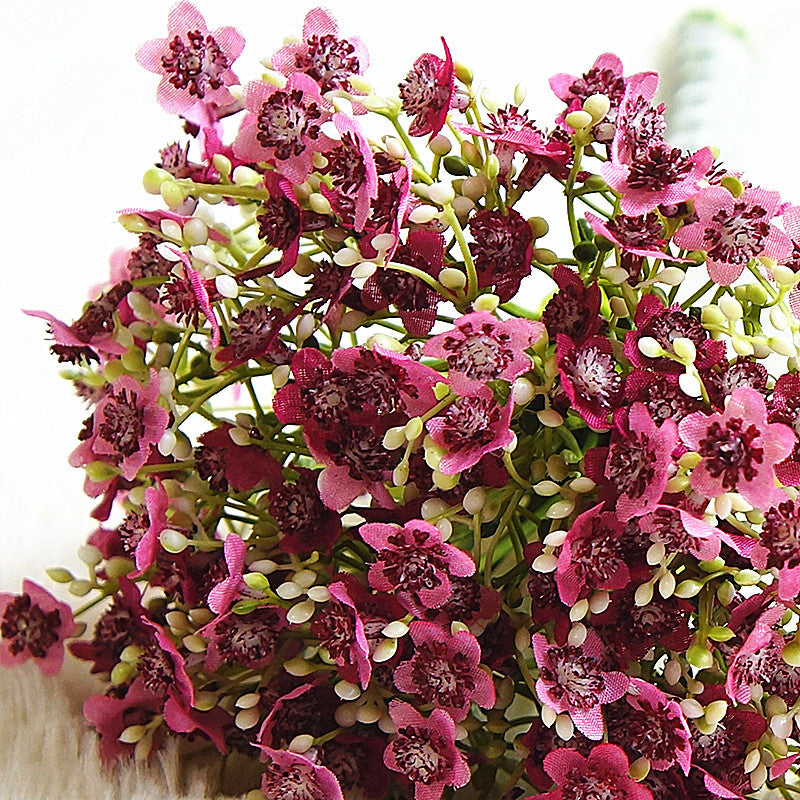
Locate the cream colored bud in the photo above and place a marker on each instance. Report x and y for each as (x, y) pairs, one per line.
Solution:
(690, 384)
(619, 308)
(440, 145)
(346, 257)
(597, 106)
(423, 214)
(685, 349)
(486, 302)
(441, 193)
(730, 307)
(649, 347)
(452, 278)
(520, 93)
(578, 120)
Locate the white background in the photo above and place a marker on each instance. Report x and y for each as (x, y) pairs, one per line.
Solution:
(79, 125)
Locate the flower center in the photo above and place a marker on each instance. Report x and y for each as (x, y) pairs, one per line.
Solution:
(631, 465)
(29, 627)
(658, 167)
(417, 756)
(469, 423)
(580, 786)
(577, 677)
(593, 374)
(737, 236)
(329, 61)
(482, 354)
(729, 451)
(196, 64)
(346, 165)
(156, 669)
(290, 782)
(441, 676)
(285, 122)
(122, 423)
(250, 638)
(781, 535)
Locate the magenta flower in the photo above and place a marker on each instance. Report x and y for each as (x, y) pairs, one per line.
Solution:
(733, 231)
(779, 547)
(445, 671)
(784, 406)
(195, 63)
(573, 681)
(427, 92)
(323, 55)
(590, 378)
(502, 250)
(126, 423)
(162, 667)
(591, 556)
(639, 462)
(34, 625)
(640, 236)
(414, 562)
(340, 631)
(662, 175)
(424, 751)
(739, 448)
(283, 126)
(681, 532)
(470, 428)
(481, 349)
(249, 640)
(601, 774)
(574, 309)
(156, 502)
(639, 123)
(292, 775)
(656, 727)
(660, 393)
(221, 597)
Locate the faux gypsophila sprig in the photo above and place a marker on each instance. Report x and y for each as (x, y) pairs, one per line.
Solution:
(386, 517)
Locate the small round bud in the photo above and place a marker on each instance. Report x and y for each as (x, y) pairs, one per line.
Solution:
(441, 193)
(455, 165)
(578, 120)
(619, 307)
(712, 315)
(700, 656)
(440, 145)
(452, 278)
(520, 93)
(539, 227)
(685, 349)
(585, 252)
(492, 166)
(730, 307)
(650, 347)
(597, 106)
(153, 178)
(423, 214)
(486, 302)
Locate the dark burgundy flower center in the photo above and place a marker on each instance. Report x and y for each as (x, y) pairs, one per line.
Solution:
(210, 465)
(346, 165)
(336, 631)
(278, 221)
(780, 534)
(596, 555)
(412, 566)
(592, 786)
(593, 375)
(598, 81)
(767, 668)
(420, 92)
(577, 677)
(360, 449)
(670, 531)
(329, 61)
(729, 451)
(26, 626)
(481, 353)
(567, 312)
(132, 530)
(256, 331)
(98, 317)
(664, 399)
(419, 755)
(249, 638)
(639, 232)
(649, 730)
(291, 782)
(470, 423)
(737, 236)
(658, 167)
(156, 669)
(441, 676)
(122, 423)
(286, 121)
(196, 63)
(632, 464)
(670, 325)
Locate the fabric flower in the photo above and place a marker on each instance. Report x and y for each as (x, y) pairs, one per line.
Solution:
(249, 640)
(739, 449)
(289, 774)
(195, 63)
(784, 406)
(779, 547)
(445, 671)
(34, 625)
(574, 309)
(222, 595)
(481, 349)
(734, 230)
(323, 55)
(603, 773)
(156, 502)
(574, 681)
(424, 751)
(427, 92)
(126, 422)
(414, 562)
(283, 126)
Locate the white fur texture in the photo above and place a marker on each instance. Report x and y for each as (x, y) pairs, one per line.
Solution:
(47, 752)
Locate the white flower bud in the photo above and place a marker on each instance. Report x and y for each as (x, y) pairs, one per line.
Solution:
(578, 120)
(546, 562)
(564, 727)
(520, 93)
(671, 276)
(474, 500)
(441, 193)
(346, 257)
(423, 214)
(522, 391)
(685, 349)
(486, 302)
(597, 106)
(730, 307)
(650, 347)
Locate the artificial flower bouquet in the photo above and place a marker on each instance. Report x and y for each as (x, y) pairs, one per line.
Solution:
(396, 501)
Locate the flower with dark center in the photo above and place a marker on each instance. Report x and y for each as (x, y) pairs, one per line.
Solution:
(145, 261)
(249, 640)
(502, 250)
(734, 230)
(290, 776)
(33, 625)
(122, 424)
(360, 449)
(424, 751)
(589, 378)
(573, 309)
(210, 466)
(284, 121)
(178, 297)
(681, 532)
(132, 530)
(445, 671)
(427, 91)
(156, 669)
(573, 680)
(278, 221)
(657, 167)
(779, 547)
(195, 63)
(256, 334)
(661, 395)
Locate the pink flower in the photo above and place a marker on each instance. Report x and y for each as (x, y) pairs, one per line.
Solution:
(656, 727)
(323, 55)
(283, 126)
(779, 547)
(660, 393)
(249, 640)
(733, 231)
(34, 625)
(639, 462)
(574, 309)
(340, 631)
(481, 349)
(784, 406)
(603, 773)
(427, 92)
(126, 423)
(424, 751)
(470, 428)
(682, 532)
(221, 597)
(195, 64)
(591, 556)
(502, 249)
(589, 378)
(639, 123)
(739, 449)
(290, 775)
(640, 236)
(662, 175)
(574, 681)
(156, 503)
(414, 562)
(445, 671)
